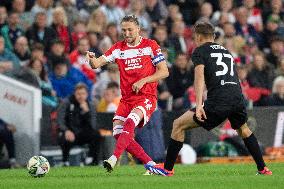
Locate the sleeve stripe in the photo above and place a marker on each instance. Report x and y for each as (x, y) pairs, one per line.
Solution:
(158, 59)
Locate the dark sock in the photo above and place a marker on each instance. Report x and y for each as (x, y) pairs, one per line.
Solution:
(172, 153)
(253, 147)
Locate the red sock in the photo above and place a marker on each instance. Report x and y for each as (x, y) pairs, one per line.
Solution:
(136, 150)
(125, 137)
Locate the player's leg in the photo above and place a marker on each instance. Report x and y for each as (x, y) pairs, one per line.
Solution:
(125, 138)
(180, 125)
(127, 134)
(238, 119)
(133, 148)
(252, 145)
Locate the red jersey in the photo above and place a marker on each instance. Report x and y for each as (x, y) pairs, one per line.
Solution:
(135, 63)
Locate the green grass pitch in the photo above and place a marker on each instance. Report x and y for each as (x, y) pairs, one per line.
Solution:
(207, 176)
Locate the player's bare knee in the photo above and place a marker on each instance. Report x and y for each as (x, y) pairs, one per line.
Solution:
(177, 129)
(244, 131)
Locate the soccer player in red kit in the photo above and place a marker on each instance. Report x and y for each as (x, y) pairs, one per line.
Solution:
(141, 65)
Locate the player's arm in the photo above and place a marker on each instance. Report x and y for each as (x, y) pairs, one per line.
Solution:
(95, 62)
(199, 84)
(161, 73)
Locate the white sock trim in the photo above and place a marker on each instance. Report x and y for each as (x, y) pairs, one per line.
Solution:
(135, 118)
(117, 130)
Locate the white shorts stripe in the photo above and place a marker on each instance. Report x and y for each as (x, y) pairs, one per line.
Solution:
(144, 114)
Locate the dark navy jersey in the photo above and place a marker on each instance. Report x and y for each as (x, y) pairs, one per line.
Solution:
(220, 74)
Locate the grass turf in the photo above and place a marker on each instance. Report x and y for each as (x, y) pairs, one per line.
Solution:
(205, 176)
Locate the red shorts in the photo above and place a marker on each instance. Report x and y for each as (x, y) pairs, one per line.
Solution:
(146, 104)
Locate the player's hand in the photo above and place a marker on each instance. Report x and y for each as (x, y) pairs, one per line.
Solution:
(200, 113)
(84, 106)
(138, 85)
(69, 136)
(91, 57)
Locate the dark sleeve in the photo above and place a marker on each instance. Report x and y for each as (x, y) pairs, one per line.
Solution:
(197, 57)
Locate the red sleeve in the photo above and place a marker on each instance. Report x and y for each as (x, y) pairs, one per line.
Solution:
(111, 53)
(156, 54)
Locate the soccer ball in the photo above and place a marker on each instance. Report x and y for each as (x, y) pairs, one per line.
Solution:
(38, 166)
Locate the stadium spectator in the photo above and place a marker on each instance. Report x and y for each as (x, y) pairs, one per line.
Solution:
(97, 23)
(77, 123)
(56, 50)
(110, 100)
(161, 36)
(229, 30)
(43, 6)
(6, 137)
(261, 74)
(71, 11)
(65, 77)
(22, 50)
(48, 94)
(180, 78)
(11, 31)
(157, 11)
(277, 96)
(94, 43)
(245, 29)
(254, 15)
(37, 52)
(253, 95)
(113, 13)
(79, 31)
(79, 61)
(86, 7)
(26, 19)
(9, 62)
(177, 38)
(280, 69)
(276, 8)
(189, 9)
(174, 15)
(206, 11)
(137, 7)
(63, 31)
(273, 28)
(163, 95)
(277, 50)
(110, 75)
(3, 16)
(39, 32)
(226, 8)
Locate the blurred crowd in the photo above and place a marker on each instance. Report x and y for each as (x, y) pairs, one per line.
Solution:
(43, 43)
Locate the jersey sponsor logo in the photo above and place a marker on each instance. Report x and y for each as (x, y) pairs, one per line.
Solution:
(133, 63)
(228, 82)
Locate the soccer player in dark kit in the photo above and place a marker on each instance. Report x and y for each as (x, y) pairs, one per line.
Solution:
(214, 67)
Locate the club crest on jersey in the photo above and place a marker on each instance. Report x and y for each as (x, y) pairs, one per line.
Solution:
(133, 63)
(140, 52)
(148, 104)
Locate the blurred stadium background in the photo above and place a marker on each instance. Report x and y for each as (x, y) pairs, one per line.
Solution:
(39, 35)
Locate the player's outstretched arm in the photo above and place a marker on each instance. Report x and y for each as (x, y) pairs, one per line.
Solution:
(161, 73)
(95, 62)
